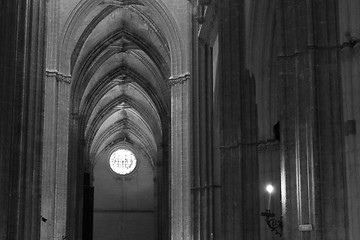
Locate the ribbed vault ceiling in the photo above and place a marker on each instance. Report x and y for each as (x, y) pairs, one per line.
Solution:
(120, 60)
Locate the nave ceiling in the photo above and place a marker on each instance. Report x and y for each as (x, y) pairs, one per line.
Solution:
(118, 54)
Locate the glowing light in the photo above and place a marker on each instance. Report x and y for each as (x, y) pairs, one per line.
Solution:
(122, 161)
(269, 188)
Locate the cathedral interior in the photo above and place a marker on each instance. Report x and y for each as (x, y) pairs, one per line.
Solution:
(179, 119)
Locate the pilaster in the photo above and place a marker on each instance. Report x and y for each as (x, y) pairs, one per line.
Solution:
(52, 33)
(180, 159)
(55, 155)
(205, 187)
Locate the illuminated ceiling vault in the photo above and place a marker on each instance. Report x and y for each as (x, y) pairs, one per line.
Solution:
(120, 61)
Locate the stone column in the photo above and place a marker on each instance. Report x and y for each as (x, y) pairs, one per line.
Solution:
(312, 171)
(231, 66)
(56, 125)
(55, 155)
(238, 128)
(203, 173)
(21, 104)
(180, 196)
(349, 30)
(206, 189)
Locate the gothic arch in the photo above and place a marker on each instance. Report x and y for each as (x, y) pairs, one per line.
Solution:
(99, 60)
(159, 10)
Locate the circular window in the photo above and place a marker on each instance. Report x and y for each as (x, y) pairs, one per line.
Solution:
(122, 161)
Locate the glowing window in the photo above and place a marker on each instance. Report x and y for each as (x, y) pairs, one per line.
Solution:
(122, 161)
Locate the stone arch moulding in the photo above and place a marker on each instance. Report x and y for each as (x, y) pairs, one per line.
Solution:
(168, 25)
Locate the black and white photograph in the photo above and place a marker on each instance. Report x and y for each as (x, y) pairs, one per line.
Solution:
(179, 119)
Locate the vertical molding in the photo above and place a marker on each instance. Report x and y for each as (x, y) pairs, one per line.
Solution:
(56, 125)
(180, 160)
(238, 129)
(52, 33)
(202, 130)
(203, 159)
(212, 187)
(55, 155)
(22, 68)
(349, 20)
(49, 159)
(230, 67)
(311, 139)
(63, 101)
(8, 142)
(205, 129)
(195, 126)
(196, 189)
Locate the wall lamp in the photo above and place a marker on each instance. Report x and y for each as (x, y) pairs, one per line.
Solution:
(275, 225)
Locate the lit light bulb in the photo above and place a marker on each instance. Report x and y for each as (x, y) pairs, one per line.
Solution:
(269, 188)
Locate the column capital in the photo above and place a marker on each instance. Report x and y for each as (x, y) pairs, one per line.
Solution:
(179, 79)
(59, 76)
